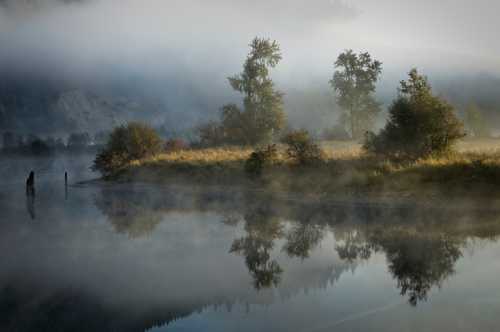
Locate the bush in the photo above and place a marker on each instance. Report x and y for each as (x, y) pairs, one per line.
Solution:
(302, 148)
(126, 143)
(175, 144)
(420, 124)
(259, 159)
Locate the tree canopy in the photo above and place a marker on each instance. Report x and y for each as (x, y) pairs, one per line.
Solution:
(262, 116)
(354, 81)
(420, 124)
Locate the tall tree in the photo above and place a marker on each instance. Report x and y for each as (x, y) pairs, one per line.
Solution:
(354, 82)
(263, 115)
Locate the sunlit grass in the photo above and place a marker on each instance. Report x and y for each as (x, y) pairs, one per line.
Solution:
(346, 169)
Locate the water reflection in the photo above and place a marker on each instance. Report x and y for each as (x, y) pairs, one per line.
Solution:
(130, 212)
(421, 247)
(417, 260)
(171, 252)
(30, 204)
(262, 230)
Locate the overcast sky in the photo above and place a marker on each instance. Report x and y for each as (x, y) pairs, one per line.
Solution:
(206, 36)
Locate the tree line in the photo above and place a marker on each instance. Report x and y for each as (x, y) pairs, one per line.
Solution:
(33, 144)
(420, 123)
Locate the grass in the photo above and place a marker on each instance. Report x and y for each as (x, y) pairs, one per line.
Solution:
(473, 169)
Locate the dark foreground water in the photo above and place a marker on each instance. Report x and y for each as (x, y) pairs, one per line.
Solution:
(146, 258)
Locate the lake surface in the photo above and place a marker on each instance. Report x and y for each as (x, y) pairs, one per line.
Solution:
(122, 257)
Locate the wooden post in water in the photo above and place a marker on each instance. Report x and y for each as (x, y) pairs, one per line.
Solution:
(30, 184)
(66, 185)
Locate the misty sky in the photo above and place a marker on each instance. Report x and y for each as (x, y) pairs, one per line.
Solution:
(210, 34)
(195, 44)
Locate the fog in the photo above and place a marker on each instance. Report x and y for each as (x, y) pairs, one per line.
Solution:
(178, 54)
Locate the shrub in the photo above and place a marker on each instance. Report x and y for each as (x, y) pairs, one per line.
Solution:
(302, 148)
(126, 143)
(175, 144)
(259, 159)
(420, 124)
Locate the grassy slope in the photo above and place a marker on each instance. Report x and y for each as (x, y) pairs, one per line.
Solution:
(473, 169)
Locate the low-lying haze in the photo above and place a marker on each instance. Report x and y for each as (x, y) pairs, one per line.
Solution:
(176, 54)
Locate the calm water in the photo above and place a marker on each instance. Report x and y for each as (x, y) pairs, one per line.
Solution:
(146, 258)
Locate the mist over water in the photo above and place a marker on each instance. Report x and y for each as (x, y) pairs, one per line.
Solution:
(95, 255)
(141, 257)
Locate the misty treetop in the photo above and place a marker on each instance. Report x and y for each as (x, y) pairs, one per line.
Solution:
(420, 124)
(354, 81)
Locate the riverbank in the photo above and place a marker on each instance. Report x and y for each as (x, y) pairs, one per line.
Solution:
(346, 172)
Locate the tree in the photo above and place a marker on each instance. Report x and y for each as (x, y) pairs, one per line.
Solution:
(354, 82)
(262, 116)
(126, 143)
(476, 124)
(420, 124)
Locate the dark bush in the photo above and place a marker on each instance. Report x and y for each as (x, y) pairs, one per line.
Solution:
(126, 143)
(261, 158)
(302, 148)
(420, 124)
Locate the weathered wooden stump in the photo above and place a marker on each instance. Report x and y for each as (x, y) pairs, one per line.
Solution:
(30, 184)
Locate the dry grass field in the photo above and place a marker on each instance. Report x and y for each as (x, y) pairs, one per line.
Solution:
(474, 168)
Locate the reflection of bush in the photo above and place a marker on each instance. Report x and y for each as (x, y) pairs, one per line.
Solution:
(420, 254)
(419, 261)
(302, 239)
(129, 213)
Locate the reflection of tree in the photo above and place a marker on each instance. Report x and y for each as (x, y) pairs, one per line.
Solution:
(303, 238)
(129, 213)
(352, 245)
(262, 230)
(419, 261)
